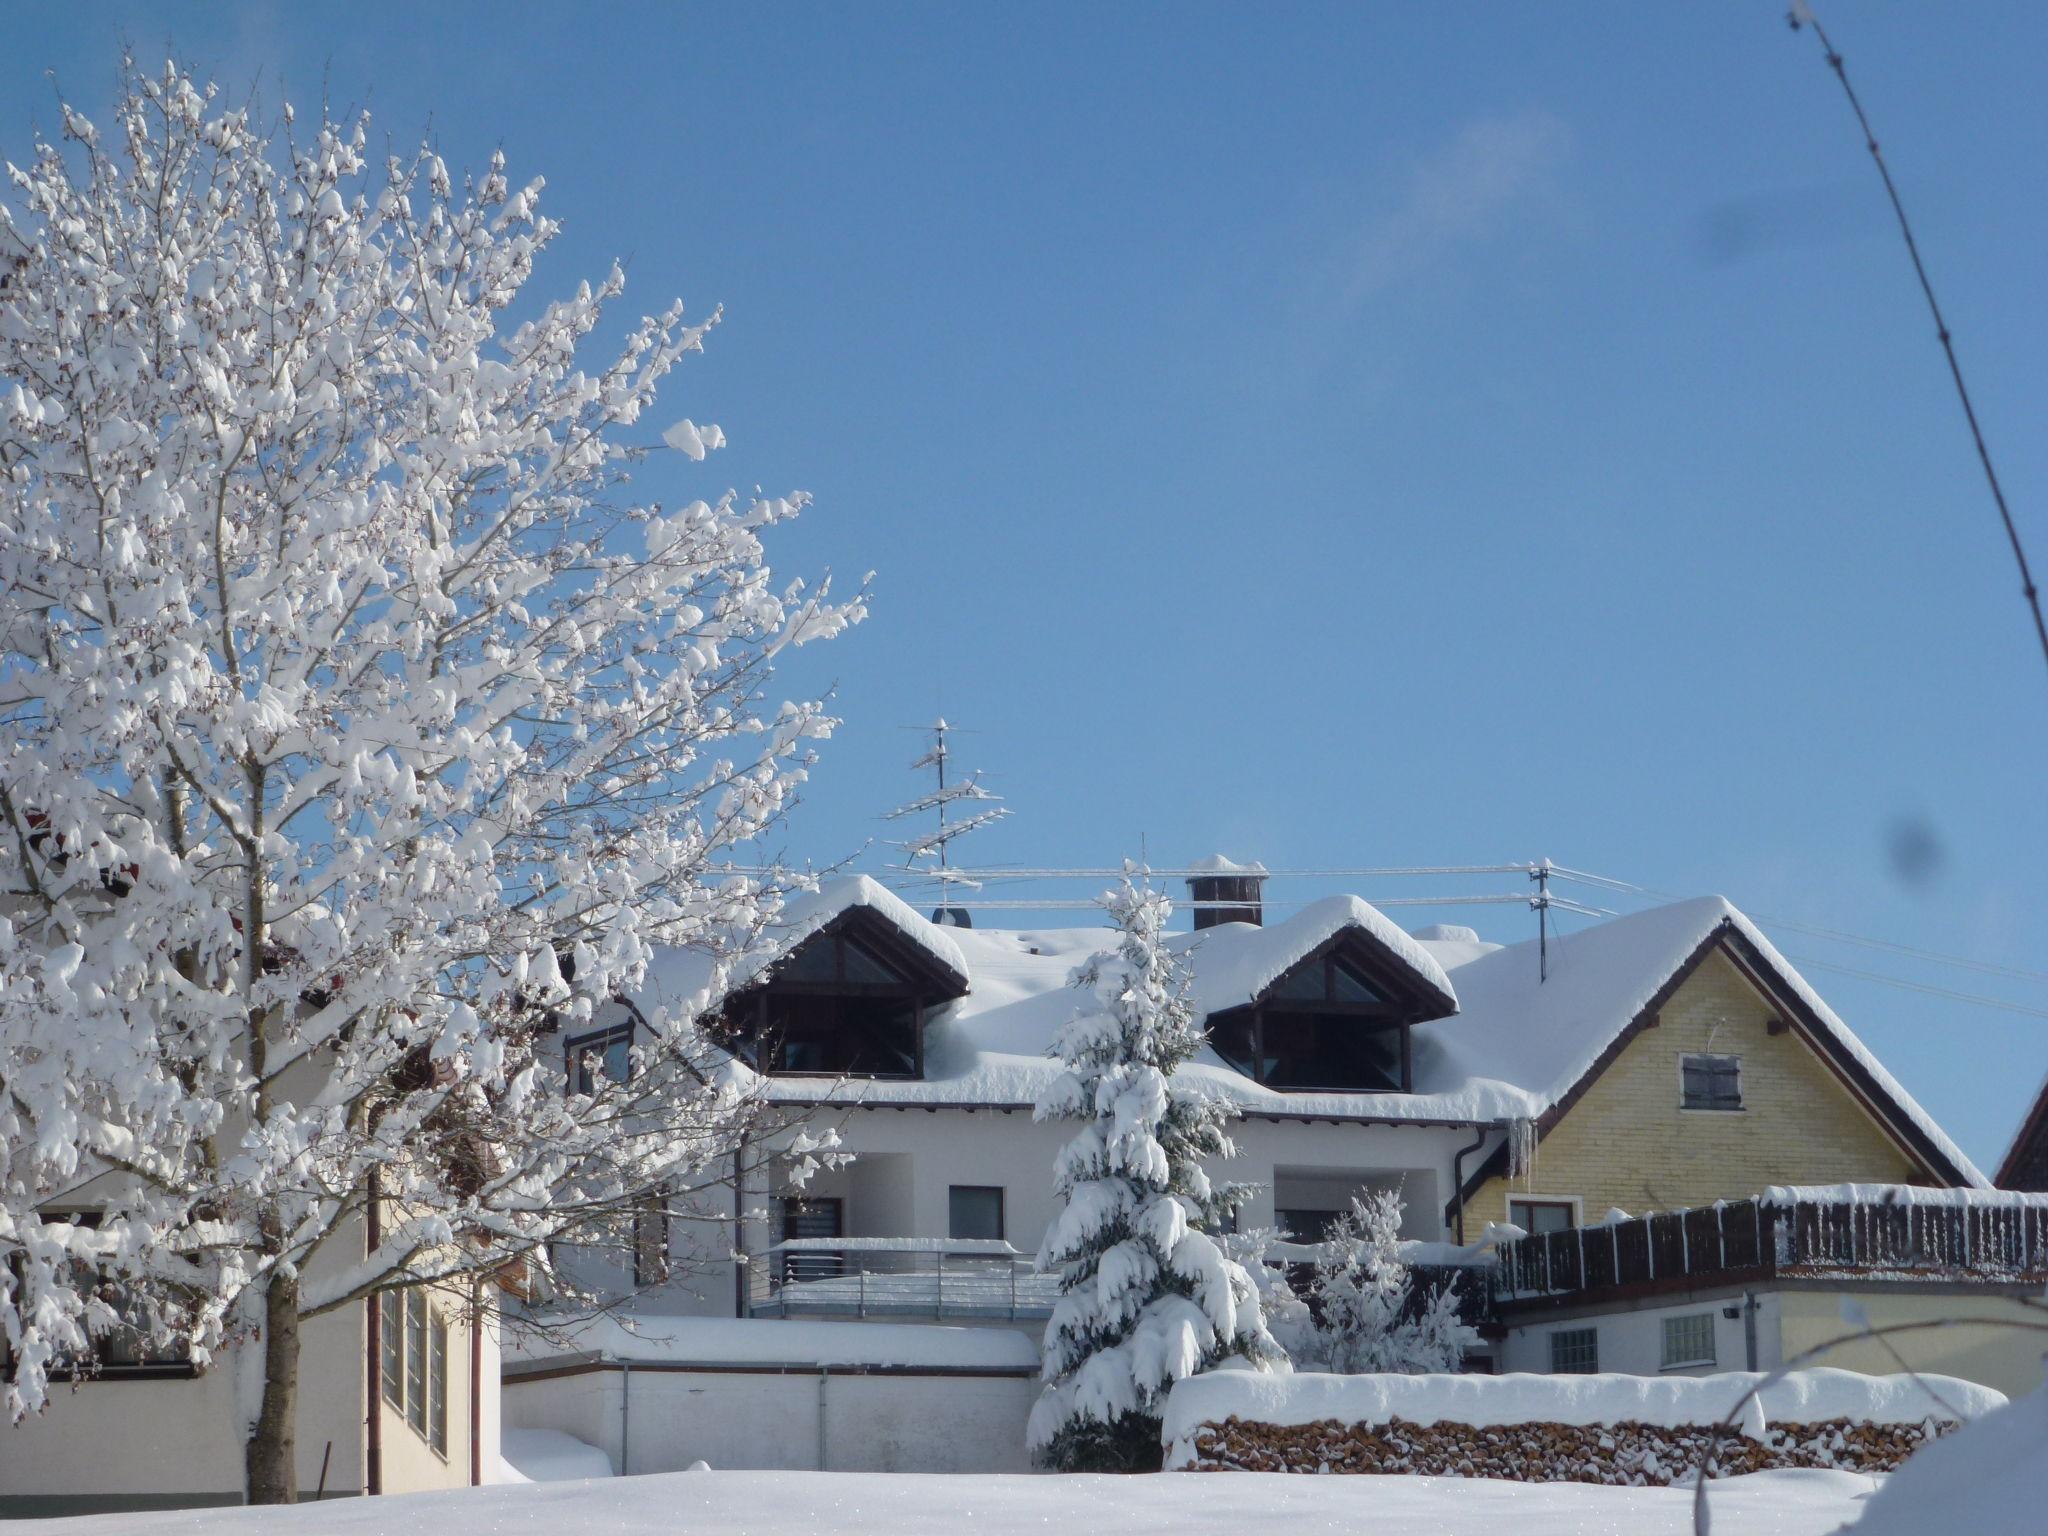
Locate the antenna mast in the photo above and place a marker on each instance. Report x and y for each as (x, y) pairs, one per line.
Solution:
(929, 850)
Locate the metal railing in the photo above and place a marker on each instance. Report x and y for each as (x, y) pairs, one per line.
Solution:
(1793, 1234)
(900, 1277)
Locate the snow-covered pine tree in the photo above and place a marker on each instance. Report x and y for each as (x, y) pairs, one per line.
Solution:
(1147, 1296)
(358, 737)
(1360, 1296)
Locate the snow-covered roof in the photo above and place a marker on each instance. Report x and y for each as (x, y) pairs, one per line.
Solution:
(683, 978)
(1234, 963)
(1515, 1049)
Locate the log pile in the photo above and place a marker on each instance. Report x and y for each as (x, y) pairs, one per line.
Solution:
(1629, 1454)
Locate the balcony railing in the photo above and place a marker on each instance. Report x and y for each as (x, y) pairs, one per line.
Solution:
(898, 1277)
(1793, 1233)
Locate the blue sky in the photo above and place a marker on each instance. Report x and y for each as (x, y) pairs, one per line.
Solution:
(1343, 436)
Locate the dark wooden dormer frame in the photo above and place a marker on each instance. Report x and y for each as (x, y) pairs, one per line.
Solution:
(1404, 1006)
(929, 985)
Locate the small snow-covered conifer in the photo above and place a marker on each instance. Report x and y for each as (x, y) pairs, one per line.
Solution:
(1147, 1296)
(1359, 1298)
(360, 735)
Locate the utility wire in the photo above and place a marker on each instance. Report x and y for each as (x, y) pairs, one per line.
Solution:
(1814, 930)
(1802, 14)
(1920, 986)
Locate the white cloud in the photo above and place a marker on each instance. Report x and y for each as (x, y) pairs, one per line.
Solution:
(1461, 191)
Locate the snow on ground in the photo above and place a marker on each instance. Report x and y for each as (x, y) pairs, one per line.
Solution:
(1990, 1479)
(883, 1504)
(550, 1456)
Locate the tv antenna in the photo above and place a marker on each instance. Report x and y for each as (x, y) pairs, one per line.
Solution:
(930, 851)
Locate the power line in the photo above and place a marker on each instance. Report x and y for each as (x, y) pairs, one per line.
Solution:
(1818, 931)
(1802, 13)
(1920, 986)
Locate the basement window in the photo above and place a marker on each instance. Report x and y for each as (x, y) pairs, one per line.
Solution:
(1688, 1341)
(1575, 1352)
(1710, 1082)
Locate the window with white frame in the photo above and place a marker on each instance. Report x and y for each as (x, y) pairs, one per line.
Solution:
(1710, 1082)
(1539, 1216)
(1575, 1352)
(1688, 1340)
(413, 1355)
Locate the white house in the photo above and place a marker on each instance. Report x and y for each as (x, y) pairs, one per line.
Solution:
(1360, 1056)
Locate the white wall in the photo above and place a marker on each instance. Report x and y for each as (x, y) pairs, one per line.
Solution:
(1632, 1339)
(749, 1421)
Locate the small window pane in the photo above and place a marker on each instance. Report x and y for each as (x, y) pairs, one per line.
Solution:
(1575, 1351)
(870, 969)
(1712, 1082)
(437, 1389)
(391, 1336)
(1689, 1340)
(1303, 984)
(975, 1211)
(817, 960)
(416, 1360)
(1347, 986)
(1539, 1216)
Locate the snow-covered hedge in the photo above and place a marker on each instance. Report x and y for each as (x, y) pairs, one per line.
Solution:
(1602, 1428)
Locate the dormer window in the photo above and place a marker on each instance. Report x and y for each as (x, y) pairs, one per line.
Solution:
(1328, 1023)
(850, 1001)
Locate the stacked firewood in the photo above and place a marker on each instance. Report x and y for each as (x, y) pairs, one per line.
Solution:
(1627, 1454)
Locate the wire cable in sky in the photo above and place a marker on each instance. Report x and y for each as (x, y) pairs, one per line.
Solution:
(1802, 15)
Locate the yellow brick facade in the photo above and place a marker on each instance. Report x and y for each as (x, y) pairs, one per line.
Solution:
(1627, 1143)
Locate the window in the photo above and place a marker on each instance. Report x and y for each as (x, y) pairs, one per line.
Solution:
(1536, 1217)
(1323, 1024)
(650, 1241)
(1575, 1352)
(1710, 1082)
(609, 1050)
(812, 1218)
(1304, 1225)
(974, 1210)
(413, 1360)
(130, 1350)
(1688, 1340)
(838, 1006)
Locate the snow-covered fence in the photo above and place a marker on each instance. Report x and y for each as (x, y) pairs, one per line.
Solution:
(1612, 1429)
(1791, 1231)
(860, 1277)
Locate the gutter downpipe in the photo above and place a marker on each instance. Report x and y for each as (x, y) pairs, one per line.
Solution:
(824, 1372)
(625, 1415)
(373, 1333)
(1749, 1311)
(739, 1226)
(1458, 1177)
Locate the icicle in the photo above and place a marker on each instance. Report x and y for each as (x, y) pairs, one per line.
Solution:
(1521, 1149)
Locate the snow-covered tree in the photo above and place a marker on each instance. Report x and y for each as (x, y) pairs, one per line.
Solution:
(1361, 1300)
(1147, 1296)
(358, 737)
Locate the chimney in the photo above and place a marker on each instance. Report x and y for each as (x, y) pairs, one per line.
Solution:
(1236, 886)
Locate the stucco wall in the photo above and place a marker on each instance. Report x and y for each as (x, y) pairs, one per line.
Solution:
(1975, 1348)
(1632, 1341)
(1627, 1143)
(765, 1422)
(113, 1444)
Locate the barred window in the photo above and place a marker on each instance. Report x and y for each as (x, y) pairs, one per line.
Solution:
(1688, 1340)
(391, 1331)
(1575, 1352)
(413, 1360)
(1711, 1082)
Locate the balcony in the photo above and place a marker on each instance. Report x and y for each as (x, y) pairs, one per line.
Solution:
(925, 1278)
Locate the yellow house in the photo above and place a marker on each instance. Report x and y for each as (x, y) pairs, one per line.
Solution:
(1680, 1060)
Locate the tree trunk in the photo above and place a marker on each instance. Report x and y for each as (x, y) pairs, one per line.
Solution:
(272, 1456)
